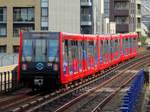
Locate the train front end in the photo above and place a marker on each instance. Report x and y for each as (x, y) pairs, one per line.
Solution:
(39, 60)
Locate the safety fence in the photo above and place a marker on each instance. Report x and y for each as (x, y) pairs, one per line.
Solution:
(7, 59)
(8, 79)
(130, 100)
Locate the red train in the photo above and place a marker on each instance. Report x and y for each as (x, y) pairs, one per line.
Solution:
(53, 59)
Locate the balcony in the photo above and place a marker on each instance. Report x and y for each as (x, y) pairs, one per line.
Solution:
(23, 20)
(86, 20)
(86, 3)
(122, 28)
(123, 12)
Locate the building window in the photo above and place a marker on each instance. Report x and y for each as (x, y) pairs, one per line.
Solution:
(3, 49)
(15, 49)
(23, 14)
(3, 14)
(44, 14)
(122, 20)
(23, 20)
(3, 25)
(121, 5)
(3, 30)
(44, 3)
(21, 27)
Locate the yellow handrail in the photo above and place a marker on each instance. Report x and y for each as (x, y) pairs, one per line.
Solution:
(8, 68)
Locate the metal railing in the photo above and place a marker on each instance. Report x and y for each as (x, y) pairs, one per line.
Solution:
(132, 95)
(8, 79)
(86, 18)
(8, 59)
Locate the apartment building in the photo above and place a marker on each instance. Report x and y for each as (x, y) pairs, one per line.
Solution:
(73, 16)
(123, 13)
(126, 14)
(145, 13)
(91, 16)
(16, 16)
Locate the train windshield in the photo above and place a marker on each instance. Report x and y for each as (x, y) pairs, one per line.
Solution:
(27, 50)
(53, 50)
(40, 50)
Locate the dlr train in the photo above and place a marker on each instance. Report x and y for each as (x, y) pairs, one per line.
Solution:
(53, 59)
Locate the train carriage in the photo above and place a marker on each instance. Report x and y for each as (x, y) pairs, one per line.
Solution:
(129, 42)
(52, 59)
(39, 59)
(72, 57)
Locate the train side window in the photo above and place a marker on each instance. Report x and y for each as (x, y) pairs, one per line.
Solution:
(70, 56)
(95, 51)
(65, 56)
(101, 44)
(101, 51)
(73, 55)
(53, 50)
(80, 50)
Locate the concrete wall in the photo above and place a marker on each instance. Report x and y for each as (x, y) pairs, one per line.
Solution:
(64, 15)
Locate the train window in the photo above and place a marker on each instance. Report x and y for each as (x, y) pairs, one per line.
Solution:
(95, 51)
(65, 56)
(27, 50)
(40, 50)
(53, 50)
(80, 50)
(90, 51)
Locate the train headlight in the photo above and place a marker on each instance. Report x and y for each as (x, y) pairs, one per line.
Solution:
(24, 66)
(55, 67)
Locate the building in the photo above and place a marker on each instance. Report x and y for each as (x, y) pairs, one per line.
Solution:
(92, 16)
(123, 13)
(145, 6)
(126, 14)
(73, 16)
(17, 15)
(64, 15)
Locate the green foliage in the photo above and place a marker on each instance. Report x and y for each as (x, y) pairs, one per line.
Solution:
(142, 39)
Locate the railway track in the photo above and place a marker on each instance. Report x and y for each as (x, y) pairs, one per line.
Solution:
(51, 103)
(62, 96)
(102, 94)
